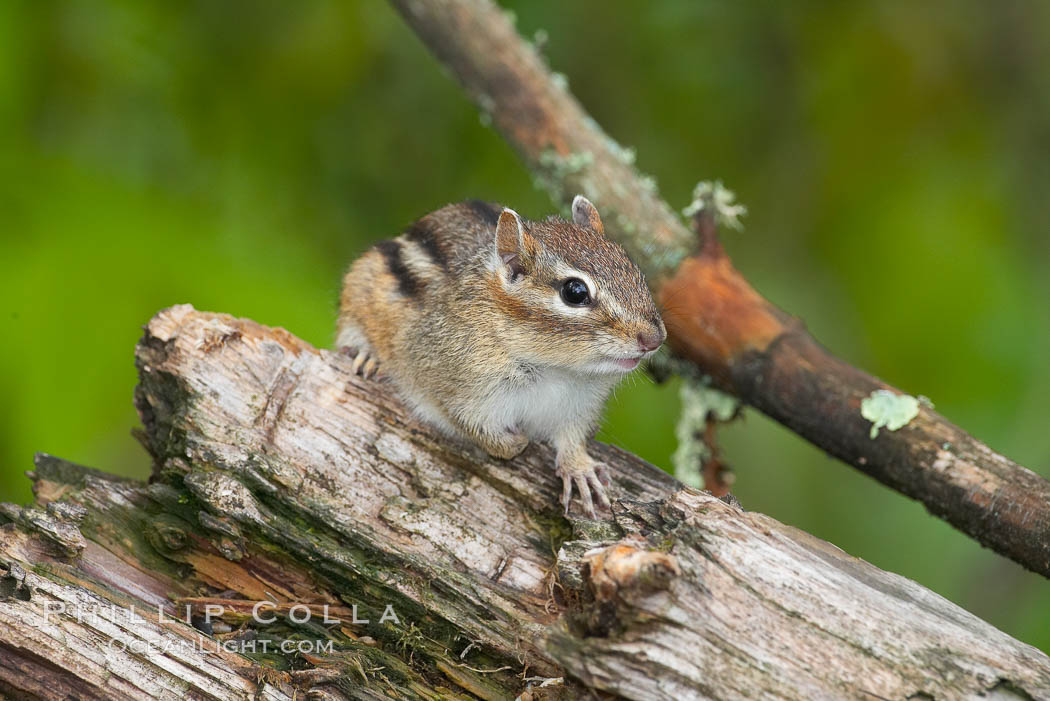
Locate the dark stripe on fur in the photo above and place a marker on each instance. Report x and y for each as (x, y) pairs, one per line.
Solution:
(407, 283)
(422, 232)
(488, 213)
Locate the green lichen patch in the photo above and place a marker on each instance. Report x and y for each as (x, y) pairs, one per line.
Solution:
(700, 403)
(716, 197)
(554, 169)
(887, 409)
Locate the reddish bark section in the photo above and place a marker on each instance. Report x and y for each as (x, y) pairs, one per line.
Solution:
(757, 352)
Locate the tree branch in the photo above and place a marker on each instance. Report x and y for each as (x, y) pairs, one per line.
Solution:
(713, 315)
(281, 477)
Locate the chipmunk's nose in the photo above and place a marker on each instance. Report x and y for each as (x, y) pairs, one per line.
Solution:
(651, 341)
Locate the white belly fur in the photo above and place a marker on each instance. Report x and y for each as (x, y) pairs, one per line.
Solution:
(543, 408)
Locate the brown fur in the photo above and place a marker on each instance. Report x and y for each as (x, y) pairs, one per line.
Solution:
(463, 339)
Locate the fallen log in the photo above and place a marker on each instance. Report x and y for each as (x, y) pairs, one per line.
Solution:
(282, 485)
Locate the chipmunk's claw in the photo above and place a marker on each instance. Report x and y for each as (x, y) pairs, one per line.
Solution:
(365, 364)
(566, 493)
(593, 478)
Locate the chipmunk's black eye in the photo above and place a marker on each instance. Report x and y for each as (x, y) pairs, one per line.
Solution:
(574, 292)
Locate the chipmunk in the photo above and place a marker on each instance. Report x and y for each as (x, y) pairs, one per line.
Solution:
(503, 330)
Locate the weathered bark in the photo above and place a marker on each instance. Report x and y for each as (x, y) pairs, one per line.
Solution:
(279, 476)
(714, 317)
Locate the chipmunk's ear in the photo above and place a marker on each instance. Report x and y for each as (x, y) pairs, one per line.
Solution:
(515, 247)
(585, 215)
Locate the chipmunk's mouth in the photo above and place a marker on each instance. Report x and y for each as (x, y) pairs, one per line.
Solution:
(629, 363)
(619, 364)
(624, 364)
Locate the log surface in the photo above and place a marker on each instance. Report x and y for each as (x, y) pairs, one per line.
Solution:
(279, 476)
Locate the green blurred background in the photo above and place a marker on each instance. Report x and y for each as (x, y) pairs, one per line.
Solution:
(237, 155)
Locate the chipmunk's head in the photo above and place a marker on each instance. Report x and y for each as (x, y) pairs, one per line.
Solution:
(580, 302)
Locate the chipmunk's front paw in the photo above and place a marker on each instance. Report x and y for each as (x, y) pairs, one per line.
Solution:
(365, 363)
(587, 476)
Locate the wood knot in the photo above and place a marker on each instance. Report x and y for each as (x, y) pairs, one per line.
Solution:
(167, 534)
(626, 566)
